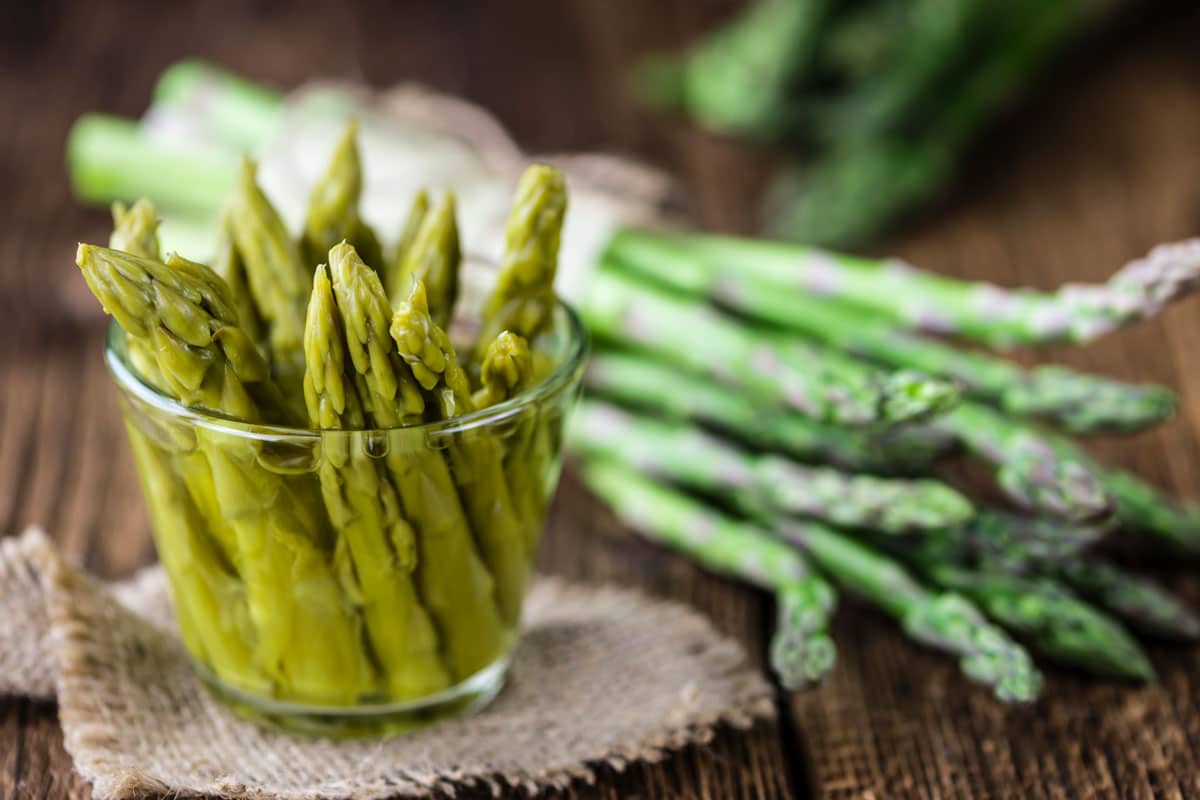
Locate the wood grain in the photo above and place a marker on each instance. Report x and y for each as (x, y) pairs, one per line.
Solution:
(1096, 170)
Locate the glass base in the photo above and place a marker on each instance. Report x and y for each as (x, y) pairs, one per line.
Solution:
(393, 719)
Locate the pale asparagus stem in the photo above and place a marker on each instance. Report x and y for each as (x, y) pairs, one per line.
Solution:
(507, 370)
(454, 583)
(801, 651)
(523, 300)
(365, 512)
(434, 258)
(279, 280)
(762, 485)
(394, 263)
(475, 454)
(667, 391)
(308, 640)
(1076, 313)
(333, 207)
(1076, 401)
(1028, 468)
(1058, 624)
(945, 620)
(811, 380)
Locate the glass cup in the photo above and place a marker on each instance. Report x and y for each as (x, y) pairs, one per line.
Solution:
(352, 582)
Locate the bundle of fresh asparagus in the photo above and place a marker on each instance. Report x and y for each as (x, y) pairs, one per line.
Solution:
(875, 100)
(379, 561)
(779, 413)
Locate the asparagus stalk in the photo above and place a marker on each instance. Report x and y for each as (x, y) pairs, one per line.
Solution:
(454, 582)
(739, 79)
(395, 261)
(227, 262)
(333, 207)
(1028, 467)
(1078, 402)
(475, 455)
(911, 298)
(365, 512)
(1143, 604)
(662, 389)
(433, 258)
(276, 275)
(1058, 624)
(1141, 508)
(763, 484)
(944, 620)
(808, 379)
(135, 230)
(801, 651)
(308, 639)
(523, 299)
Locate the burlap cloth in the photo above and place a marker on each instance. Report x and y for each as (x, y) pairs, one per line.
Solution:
(602, 676)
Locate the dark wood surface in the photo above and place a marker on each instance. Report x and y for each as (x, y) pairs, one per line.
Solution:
(1103, 165)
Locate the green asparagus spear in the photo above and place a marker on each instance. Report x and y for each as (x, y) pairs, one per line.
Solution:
(454, 582)
(506, 370)
(1078, 402)
(433, 258)
(1058, 624)
(475, 455)
(801, 651)
(1028, 467)
(762, 484)
(915, 299)
(277, 276)
(1144, 605)
(523, 300)
(813, 381)
(333, 208)
(408, 234)
(365, 512)
(1141, 508)
(666, 391)
(308, 639)
(945, 620)
(739, 79)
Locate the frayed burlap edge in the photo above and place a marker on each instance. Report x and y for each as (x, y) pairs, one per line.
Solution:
(605, 677)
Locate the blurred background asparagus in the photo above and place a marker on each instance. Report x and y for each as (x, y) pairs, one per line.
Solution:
(873, 102)
(751, 394)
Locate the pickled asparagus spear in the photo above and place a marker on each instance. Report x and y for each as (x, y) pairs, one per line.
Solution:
(227, 262)
(508, 369)
(333, 207)
(763, 484)
(640, 382)
(279, 280)
(814, 381)
(454, 582)
(365, 512)
(475, 455)
(135, 230)
(394, 262)
(801, 651)
(433, 258)
(523, 300)
(308, 639)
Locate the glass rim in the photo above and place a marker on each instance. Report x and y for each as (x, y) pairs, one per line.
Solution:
(569, 367)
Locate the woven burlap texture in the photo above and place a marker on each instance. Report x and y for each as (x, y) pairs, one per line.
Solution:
(603, 676)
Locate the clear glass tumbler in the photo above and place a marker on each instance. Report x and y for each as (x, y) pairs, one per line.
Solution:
(352, 582)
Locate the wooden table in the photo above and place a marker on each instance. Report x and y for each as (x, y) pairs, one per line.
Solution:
(1104, 165)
